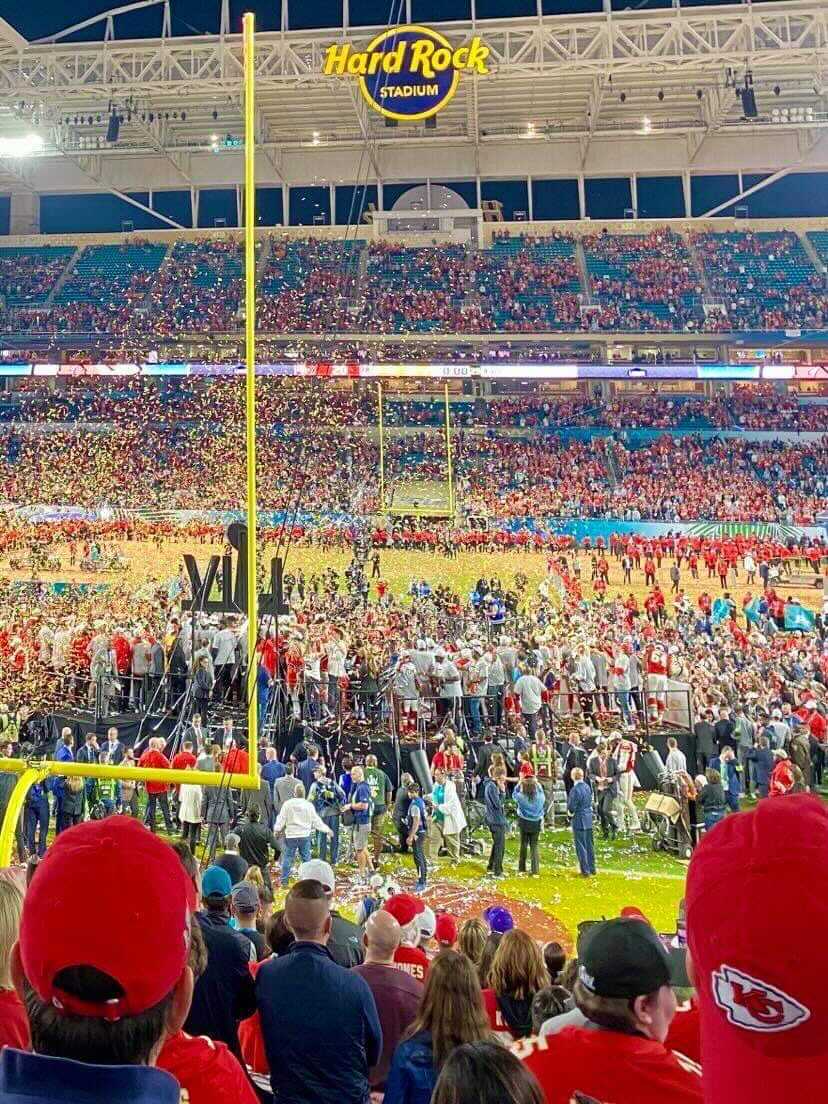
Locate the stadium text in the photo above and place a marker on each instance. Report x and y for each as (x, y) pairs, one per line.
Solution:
(424, 57)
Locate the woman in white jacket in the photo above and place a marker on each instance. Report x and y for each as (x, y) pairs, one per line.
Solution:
(189, 813)
(448, 817)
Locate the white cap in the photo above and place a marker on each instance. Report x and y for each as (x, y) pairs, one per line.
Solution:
(427, 923)
(318, 871)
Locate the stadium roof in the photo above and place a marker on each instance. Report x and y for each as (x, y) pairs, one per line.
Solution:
(605, 94)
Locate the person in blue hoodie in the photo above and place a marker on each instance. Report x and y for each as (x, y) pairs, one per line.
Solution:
(531, 806)
(451, 1013)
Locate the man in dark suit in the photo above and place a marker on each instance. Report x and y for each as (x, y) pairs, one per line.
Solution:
(112, 748)
(89, 752)
(705, 734)
(574, 757)
(579, 803)
(603, 774)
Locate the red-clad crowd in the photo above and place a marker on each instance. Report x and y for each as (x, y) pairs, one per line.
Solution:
(529, 283)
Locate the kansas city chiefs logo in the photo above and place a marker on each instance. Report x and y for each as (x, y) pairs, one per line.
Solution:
(755, 1005)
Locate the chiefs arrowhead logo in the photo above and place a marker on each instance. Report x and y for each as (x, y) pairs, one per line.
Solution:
(755, 1005)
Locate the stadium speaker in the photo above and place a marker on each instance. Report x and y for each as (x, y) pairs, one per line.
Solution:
(431, 122)
(113, 128)
(649, 767)
(748, 97)
(421, 770)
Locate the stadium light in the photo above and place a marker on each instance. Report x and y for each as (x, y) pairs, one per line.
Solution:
(24, 146)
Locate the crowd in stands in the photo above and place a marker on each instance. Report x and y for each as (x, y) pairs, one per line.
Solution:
(316, 402)
(198, 467)
(674, 479)
(643, 282)
(765, 279)
(198, 289)
(182, 443)
(27, 276)
(526, 283)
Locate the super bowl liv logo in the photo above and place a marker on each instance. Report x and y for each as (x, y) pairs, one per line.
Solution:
(407, 73)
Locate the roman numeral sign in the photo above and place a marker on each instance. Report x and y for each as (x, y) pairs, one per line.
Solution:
(233, 590)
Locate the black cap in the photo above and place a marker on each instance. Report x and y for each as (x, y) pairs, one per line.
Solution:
(623, 958)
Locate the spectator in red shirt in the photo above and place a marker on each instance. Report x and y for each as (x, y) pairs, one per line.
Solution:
(184, 759)
(405, 908)
(157, 792)
(623, 989)
(448, 756)
(14, 1026)
(236, 761)
(782, 775)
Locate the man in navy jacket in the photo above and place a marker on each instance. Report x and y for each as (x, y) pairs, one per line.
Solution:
(579, 804)
(494, 794)
(319, 1021)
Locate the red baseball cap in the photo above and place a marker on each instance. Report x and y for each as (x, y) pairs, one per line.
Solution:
(757, 910)
(632, 912)
(110, 895)
(445, 931)
(404, 907)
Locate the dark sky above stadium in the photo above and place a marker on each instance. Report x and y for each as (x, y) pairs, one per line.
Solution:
(45, 17)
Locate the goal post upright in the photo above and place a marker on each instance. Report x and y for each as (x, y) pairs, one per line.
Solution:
(381, 449)
(449, 465)
(248, 27)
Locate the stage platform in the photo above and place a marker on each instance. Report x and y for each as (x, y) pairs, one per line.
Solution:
(397, 757)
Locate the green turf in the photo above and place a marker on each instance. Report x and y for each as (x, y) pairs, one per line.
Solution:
(629, 873)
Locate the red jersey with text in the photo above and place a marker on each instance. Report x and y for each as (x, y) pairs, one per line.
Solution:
(626, 1069)
(413, 961)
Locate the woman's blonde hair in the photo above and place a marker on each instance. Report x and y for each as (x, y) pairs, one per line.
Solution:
(471, 939)
(11, 906)
(518, 968)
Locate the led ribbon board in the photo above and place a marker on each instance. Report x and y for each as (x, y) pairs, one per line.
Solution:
(407, 73)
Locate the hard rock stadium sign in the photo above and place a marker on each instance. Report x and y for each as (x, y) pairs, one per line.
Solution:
(407, 73)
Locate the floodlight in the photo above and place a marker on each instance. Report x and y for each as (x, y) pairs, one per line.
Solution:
(23, 146)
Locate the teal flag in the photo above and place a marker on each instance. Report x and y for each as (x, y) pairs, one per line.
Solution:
(797, 617)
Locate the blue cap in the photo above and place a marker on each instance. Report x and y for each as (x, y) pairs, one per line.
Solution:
(499, 919)
(215, 882)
